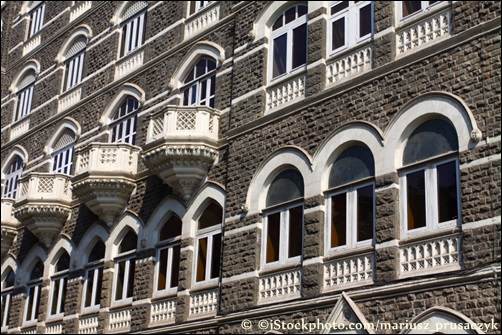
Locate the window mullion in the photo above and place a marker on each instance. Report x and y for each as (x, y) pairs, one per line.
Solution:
(351, 217)
(209, 256)
(60, 296)
(34, 302)
(168, 273)
(95, 276)
(284, 240)
(126, 278)
(432, 198)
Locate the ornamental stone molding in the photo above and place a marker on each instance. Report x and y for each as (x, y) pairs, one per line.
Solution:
(10, 224)
(105, 177)
(8, 236)
(44, 204)
(181, 145)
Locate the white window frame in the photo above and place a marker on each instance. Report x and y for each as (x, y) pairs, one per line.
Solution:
(24, 100)
(352, 212)
(352, 20)
(11, 183)
(74, 68)
(284, 237)
(207, 77)
(62, 278)
(59, 159)
(134, 30)
(37, 287)
(169, 245)
(128, 133)
(208, 232)
(128, 257)
(424, 7)
(431, 198)
(6, 301)
(94, 267)
(199, 5)
(288, 30)
(36, 20)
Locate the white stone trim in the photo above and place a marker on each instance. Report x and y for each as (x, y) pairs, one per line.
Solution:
(67, 123)
(247, 275)
(482, 223)
(82, 30)
(481, 161)
(126, 90)
(36, 253)
(32, 64)
(94, 233)
(119, 230)
(387, 244)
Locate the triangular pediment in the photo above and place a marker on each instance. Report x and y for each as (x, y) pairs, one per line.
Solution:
(348, 314)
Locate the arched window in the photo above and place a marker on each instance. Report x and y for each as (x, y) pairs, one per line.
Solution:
(37, 13)
(125, 263)
(25, 94)
(124, 122)
(283, 219)
(351, 208)
(62, 157)
(58, 285)
(74, 63)
(168, 256)
(33, 296)
(8, 280)
(199, 84)
(429, 178)
(94, 277)
(12, 176)
(289, 41)
(195, 6)
(208, 243)
(133, 27)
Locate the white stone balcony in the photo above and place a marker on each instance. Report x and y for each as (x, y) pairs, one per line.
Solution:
(129, 63)
(32, 43)
(280, 286)
(79, 8)
(349, 65)
(163, 312)
(203, 304)
(88, 325)
(202, 20)
(425, 32)
(287, 91)
(120, 321)
(55, 328)
(105, 177)
(349, 272)
(69, 99)
(433, 255)
(181, 145)
(43, 204)
(19, 128)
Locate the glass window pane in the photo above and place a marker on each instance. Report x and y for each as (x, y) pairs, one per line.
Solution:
(299, 46)
(129, 242)
(98, 252)
(410, 7)
(339, 7)
(10, 279)
(278, 23)
(38, 271)
(447, 191)
(302, 10)
(97, 296)
(355, 163)
(273, 237)
(339, 220)
(161, 279)
(212, 216)
(290, 15)
(88, 289)
(280, 51)
(365, 214)
(365, 20)
(415, 192)
(201, 259)
(119, 287)
(215, 262)
(63, 262)
(130, 281)
(200, 68)
(171, 229)
(287, 186)
(175, 270)
(338, 33)
(295, 231)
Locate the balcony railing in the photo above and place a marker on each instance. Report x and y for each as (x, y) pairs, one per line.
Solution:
(203, 303)
(45, 188)
(348, 272)
(285, 92)
(281, 286)
(107, 159)
(129, 63)
(350, 65)
(200, 21)
(163, 312)
(120, 321)
(32, 43)
(69, 99)
(79, 8)
(88, 325)
(56, 328)
(19, 128)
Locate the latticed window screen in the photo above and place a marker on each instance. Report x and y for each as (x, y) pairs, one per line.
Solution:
(124, 122)
(12, 176)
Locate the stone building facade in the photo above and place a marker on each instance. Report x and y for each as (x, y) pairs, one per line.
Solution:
(250, 166)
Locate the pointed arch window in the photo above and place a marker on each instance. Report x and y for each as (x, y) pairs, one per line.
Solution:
(12, 176)
(58, 285)
(199, 84)
(208, 243)
(33, 294)
(62, 158)
(94, 277)
(125, 263)
(133, 29)
(74, 63)
(168, 256)
(351, 204)
(283, 231)
(430, 178)
(124, 122)
(289, 41)
(8, 281)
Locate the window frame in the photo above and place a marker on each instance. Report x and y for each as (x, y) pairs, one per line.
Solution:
(350, 190)
(74, 74)
(58, 157)
(24, 102)
(197, 7)
(36, 14)
(126, 132)
(424, 7)
(128, 43)
(208, 233)
(209, 77)
(169, 244)
(6, 295)
(287, 29)
(97, 268)
(12, 179)
(127, 256)
(429, 167)
(351, 15)
(283, 209)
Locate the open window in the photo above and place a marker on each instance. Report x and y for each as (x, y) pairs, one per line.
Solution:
(12, 175)
(62, 156)
(36, 21)
(74, 63)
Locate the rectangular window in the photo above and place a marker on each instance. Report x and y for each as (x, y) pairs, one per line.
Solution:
(273, 237)
(133, 34)
(168, 267)
(32, 303)
(196, 6)
(36, 20)
(208, 257)
(24, 102)
(295, 232)
(280, 54)
(202, 250)
(411, 7)
(415, 192)
(92, 287)
(351, 22)
(299, 46)
(6, 300)
(365, 210)
(124, 280)
(62, 161)
(12, 179)
(58, 295)
(447, 192)
(125, 130)
(339, 220)
(74, 70)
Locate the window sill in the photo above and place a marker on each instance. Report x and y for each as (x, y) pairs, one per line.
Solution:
(449, 229)
(337, 253)
(165, 294)
(204, 286)
(275, 268)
